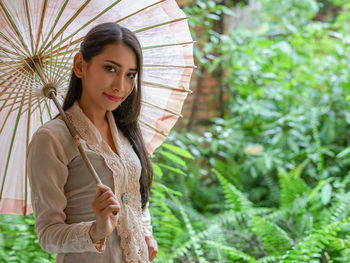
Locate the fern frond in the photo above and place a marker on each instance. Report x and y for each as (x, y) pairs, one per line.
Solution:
(310, 248)
(235, 199)
(192, 213)
(338, 210)
(274, 190)
(274, 239)
(278, 214)
(269, 259)
(339, 243)
(233, 253)
(320, 158)
(292, 187)
(167, 226)
(194, 238)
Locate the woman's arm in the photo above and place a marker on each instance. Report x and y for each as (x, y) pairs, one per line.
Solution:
(48, 172)
(146, 221)
(147, 227)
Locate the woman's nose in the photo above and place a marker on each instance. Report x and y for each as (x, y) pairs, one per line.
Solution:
(118, 83)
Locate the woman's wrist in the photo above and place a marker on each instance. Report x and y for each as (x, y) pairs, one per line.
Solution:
(95, 237)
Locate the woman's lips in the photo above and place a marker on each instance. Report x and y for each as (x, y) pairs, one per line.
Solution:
(113, 98)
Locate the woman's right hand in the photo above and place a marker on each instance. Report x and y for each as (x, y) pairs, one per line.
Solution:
(105, 205)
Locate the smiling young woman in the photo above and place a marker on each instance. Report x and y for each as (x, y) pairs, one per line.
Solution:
(108, 79)
(73, 219)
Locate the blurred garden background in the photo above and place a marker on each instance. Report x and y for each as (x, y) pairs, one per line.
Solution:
(258, 168)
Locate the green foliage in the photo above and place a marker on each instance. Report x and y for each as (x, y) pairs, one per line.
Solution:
(269, 180)
(18, 241)
(234, 198)
(292, 187)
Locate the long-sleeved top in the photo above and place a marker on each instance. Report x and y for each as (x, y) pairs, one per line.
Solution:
(63, 189)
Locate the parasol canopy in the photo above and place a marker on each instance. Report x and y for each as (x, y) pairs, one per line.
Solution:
(38, 40)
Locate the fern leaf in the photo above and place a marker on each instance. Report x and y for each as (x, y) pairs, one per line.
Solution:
(292, 187)
(274, 239)
(311, 247)
(338, 210)
(233, 253)
(235, 199)
(269, 259)
(194, 238)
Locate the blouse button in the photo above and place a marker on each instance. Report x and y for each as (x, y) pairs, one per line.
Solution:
(126, 197)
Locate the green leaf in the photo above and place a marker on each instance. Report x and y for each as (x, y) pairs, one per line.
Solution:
(234, 198)
(175, 149)
(317, 189)
(173, 169)
(326, 194)
(292, 187)
(343, 154)
(174, 158)
(157, 170)
(274, 238)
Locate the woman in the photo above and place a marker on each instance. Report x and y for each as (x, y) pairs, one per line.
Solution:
(73, 219)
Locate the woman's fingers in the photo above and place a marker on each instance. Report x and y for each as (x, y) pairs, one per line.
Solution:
(107, 199)
(103, 199)
(108, 210)
(101, 189)
(152, 247)
(153, 252)
(102, 192)
(108, 202)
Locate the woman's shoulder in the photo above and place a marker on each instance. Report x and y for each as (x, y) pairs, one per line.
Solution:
(55, 127)
(53, 132)
(54, 135)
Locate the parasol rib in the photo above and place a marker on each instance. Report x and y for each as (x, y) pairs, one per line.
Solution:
(86, 24)
(40, 26)
(10, 151)
(158, 85)
(59, 80)
(34, 104)
(160, 24)
(7, 51)
(54, 25)
(135, 31)
(25, 77)
(153, 128)
(26, 165)
(138, 11)
(170, 44)
(13, 25)
(118, 21)
(81, 8)
(162, 108)
(30, 26)
(13, 45)
(167, 66)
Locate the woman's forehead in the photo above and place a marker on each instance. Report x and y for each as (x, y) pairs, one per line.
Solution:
(121, 54)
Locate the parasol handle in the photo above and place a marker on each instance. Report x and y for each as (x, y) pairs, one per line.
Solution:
(51, 93)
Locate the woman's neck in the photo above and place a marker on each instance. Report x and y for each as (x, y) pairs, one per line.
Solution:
(98, 118)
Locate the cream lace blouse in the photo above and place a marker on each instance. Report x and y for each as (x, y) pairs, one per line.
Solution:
(62, 191)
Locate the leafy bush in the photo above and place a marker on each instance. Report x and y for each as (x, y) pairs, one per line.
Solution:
(269, 180)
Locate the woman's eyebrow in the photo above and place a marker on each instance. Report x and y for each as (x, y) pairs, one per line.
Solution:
(118, 65)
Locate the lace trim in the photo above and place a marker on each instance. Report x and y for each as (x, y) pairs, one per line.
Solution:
(129, 225)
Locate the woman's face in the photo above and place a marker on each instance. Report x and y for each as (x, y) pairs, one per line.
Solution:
(108, 78)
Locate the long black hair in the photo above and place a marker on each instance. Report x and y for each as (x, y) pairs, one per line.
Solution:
(127, 113)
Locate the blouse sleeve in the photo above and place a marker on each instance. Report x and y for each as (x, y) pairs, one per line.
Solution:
(146, 221)
(48, 173)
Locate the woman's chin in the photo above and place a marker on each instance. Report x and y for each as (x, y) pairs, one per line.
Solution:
(112, 106)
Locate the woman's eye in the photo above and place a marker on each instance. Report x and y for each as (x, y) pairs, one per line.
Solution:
(110, 68)
(132, 75)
